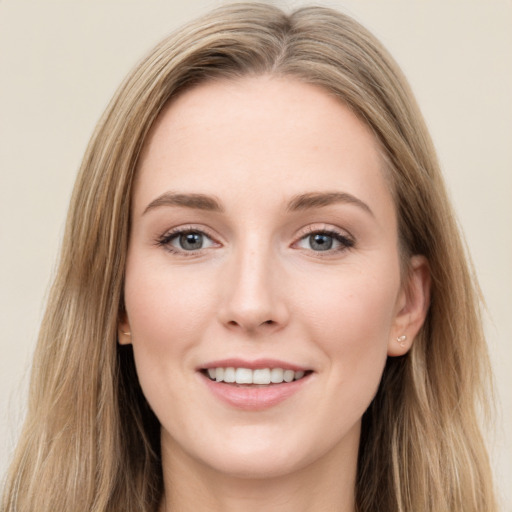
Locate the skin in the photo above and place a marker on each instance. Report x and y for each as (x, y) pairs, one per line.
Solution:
(260, 288)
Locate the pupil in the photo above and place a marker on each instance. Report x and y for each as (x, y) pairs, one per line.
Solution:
(320, 242)
(191, 241)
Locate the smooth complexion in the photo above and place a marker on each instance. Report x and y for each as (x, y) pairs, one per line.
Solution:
(264, 234)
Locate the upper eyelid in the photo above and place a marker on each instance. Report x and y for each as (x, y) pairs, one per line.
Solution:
(324, 228)
(190, 228)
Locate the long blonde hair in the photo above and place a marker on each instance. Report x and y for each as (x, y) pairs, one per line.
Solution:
(90, 441)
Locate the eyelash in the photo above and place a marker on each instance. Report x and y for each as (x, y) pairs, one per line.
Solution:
(166, 239)
(346, 242)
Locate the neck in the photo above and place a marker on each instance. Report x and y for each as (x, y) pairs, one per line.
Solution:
(325, 485)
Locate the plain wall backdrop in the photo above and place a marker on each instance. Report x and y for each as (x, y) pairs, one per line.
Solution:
(60, 62)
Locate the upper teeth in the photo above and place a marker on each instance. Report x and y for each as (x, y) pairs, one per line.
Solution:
(259, 376)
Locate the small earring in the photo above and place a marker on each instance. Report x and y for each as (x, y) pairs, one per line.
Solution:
(127, 333)
(401, 340)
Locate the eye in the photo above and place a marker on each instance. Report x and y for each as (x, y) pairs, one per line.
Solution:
(191, 241)
(186, 240)
(323, 241)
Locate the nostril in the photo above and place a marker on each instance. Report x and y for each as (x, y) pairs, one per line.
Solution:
(234, 323)
(250, 325)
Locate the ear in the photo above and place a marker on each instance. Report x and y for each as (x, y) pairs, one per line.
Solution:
(124, 335)
(411, 307)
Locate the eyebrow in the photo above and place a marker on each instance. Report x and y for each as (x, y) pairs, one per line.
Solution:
(299, 202)
(320, 199)
(195, 201)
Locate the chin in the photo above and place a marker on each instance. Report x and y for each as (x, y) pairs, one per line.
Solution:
(258, 466)
(251, 456)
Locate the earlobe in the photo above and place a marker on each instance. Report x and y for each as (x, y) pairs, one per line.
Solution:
(412, 307)
(124, 335)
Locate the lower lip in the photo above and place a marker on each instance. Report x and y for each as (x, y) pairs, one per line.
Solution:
(254, 397)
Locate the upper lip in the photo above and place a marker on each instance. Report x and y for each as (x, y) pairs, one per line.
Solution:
(253, 365)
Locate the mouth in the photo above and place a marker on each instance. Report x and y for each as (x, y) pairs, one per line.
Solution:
(239, 376)
(254, 385)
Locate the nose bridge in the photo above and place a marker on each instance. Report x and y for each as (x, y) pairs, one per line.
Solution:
(252, 296)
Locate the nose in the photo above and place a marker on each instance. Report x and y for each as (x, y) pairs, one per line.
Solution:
(253, 297)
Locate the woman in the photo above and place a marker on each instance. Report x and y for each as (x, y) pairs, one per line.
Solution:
(262, 298)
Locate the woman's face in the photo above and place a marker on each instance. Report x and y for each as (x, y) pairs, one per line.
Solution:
(263, 248)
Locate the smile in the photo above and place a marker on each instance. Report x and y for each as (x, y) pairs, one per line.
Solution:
(260, 376)
(254, 385)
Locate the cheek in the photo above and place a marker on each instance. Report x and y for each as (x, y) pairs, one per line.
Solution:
(165, 305)
(351, 318)
(168, 312)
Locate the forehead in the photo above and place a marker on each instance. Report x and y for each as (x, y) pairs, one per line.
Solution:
(278, 134)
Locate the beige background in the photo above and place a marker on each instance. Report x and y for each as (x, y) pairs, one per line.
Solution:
(61, 61)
